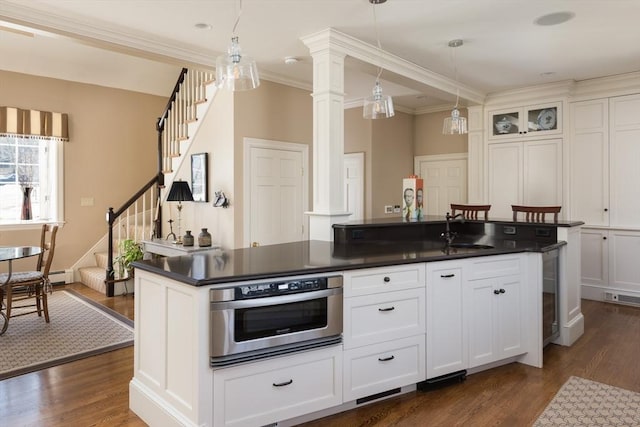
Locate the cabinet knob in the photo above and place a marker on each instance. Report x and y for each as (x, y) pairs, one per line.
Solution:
(386, 359)
(502, 291)
(386, 279)
(606, 210)
(497, 292)
(604, 237)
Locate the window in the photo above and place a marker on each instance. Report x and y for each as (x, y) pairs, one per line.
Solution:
(30, 162)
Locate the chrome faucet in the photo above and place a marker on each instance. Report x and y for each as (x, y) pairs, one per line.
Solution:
(449, 235)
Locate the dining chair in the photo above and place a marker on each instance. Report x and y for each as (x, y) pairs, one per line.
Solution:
(27, 289)
(471, 211)
(536, 213)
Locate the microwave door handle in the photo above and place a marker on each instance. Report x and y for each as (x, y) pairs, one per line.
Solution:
(275, 300)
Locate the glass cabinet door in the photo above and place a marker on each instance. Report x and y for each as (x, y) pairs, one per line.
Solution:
(542, 119)
(505, 122)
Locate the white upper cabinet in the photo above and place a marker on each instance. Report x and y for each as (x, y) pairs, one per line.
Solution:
(532, 121)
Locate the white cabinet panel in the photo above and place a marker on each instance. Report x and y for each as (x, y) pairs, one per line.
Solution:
(383, 317)
(532, 121)
(385, 279)
(505, 178)
(447, 349)
(265, 392)
(594, 253)
(542, 171)
(376, 368)
(624, 265)
(590, 162)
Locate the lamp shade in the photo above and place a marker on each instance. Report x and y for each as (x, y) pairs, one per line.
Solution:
(378, 106)
(235, 71)
(180, 192)
(454, 124)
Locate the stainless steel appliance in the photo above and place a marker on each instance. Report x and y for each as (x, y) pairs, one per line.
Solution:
(550, 283)
(257, 320)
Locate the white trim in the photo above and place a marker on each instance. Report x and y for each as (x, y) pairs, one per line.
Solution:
(248, 145)
(437, 158)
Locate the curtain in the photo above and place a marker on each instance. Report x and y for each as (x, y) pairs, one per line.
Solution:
(16, 121)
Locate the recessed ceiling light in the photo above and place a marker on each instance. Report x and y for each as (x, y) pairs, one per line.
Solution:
(554, 18)
(203, 26)
(547, 74)
(289, 60)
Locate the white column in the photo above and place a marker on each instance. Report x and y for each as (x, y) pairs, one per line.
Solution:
(476, 157)
(328, 136)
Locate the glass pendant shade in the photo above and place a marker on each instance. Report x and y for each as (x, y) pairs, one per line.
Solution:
(235, 71)
(378, 106)
(454, 124)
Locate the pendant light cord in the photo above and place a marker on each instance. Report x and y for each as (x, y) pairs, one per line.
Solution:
(237, 19)
(375, 26)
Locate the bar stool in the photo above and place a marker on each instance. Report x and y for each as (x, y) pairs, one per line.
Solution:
(470, 211)
(536, 213)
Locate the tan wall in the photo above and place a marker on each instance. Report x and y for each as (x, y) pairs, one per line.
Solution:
(429, 139)
(275, 112)
(357, 139)
(111, 153)
(392, 160)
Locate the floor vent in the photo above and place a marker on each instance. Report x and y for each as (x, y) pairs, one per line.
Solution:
(622, 299)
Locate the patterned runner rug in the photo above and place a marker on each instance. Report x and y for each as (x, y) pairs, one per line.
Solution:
(79, 328)
(582, 402)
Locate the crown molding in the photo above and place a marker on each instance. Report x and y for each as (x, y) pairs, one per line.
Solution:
(602, 87)
(332, 39)
(562, 89)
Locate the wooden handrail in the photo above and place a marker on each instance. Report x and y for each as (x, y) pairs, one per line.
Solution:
(162, 119)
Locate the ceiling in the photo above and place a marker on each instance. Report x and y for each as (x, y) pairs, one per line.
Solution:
(142, 44)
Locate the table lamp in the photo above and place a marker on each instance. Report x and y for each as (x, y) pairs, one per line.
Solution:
(180, 192)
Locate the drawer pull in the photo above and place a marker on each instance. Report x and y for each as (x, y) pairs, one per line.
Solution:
(386, 279)
(387, 309)
(386, 359)
(447, 276)
(283, 384)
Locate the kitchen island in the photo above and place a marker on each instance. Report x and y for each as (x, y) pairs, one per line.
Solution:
(175, 384)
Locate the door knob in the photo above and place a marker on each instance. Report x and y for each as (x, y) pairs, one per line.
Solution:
(255, 244)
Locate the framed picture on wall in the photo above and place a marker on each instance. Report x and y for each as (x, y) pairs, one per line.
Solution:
(199, 174)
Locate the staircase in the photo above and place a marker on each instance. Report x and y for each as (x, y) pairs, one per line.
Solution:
(140, 218)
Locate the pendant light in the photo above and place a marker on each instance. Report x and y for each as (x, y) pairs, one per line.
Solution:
(235, 71)
(377, 106)
(455, 125)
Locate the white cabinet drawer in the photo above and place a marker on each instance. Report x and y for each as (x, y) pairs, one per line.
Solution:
(377, 280)
(382, 317)
(276, 389)
(380, 367)
(494, 266)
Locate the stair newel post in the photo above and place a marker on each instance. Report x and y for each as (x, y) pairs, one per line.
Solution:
(110, 273)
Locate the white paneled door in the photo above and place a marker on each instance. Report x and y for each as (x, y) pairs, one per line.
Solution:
(444, 182)
(354, 185)
(277, 201)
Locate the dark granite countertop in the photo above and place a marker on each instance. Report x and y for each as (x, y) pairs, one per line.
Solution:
(432, 219)
(315, 257)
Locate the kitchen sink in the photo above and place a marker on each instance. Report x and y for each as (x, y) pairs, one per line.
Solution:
(470, 246)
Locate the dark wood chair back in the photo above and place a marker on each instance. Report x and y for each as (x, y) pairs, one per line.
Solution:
(536, 213)
(471, 211)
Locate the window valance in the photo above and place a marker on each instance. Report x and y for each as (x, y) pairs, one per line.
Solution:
(16, 121)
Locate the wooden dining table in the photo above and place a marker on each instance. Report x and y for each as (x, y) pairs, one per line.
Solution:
(9, 254)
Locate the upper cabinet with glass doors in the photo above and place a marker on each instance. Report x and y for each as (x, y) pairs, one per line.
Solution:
(525, 122)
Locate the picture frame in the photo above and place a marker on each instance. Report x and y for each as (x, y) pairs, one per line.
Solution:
(199, 177)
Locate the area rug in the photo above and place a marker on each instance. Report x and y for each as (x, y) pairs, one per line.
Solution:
(79, 328)
(582, 402)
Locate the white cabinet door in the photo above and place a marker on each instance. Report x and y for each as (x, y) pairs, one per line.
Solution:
(589, 180)
(624, 268)
(531, 121)
(542, 171)
(496, 328)
(594, 256)
(505, 179)
(624, 171)
(447, 349)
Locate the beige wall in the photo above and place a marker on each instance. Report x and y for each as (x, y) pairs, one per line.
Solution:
(392, 160)
(429, 139)
(111, 154)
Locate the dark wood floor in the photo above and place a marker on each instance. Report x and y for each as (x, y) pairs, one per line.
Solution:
(94, 391)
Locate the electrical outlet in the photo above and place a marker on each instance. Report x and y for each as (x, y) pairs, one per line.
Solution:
(396, 209)
(388, 209)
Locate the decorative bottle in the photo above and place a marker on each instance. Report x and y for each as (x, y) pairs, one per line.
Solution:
(187, 240)
(204, 238)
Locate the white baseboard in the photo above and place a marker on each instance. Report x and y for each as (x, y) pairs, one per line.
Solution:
(596, 293)
(61, 276)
